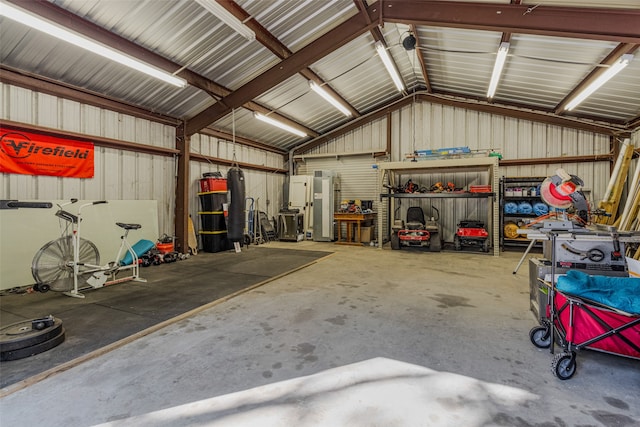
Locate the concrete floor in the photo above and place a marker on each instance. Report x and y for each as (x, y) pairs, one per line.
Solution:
(362, 338)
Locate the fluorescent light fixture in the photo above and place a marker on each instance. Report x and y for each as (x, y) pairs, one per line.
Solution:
(327, 96)
(83, 42)
(497, 69)
(602, 79)
(390, 65)
(281, 125)
(227, 17)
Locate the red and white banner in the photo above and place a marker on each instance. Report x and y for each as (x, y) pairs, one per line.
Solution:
(29, 153)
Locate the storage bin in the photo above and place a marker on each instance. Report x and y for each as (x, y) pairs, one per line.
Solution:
(165, 248)
(214, 241)
(212, 221)
(480, 189)
(212, 201)
(366, 234)
(212, 181)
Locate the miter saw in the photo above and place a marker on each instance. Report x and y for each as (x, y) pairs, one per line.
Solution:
(563, 191)
(581, 245)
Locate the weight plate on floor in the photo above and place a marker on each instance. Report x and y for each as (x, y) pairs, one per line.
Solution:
(5, 356)
(22, 334)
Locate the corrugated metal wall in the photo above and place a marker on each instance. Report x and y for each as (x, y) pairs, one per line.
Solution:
(264, 187)
(438, 126)
(119, 175)
(127, 175)
(123, 175)
(358, 178)
(426, 126)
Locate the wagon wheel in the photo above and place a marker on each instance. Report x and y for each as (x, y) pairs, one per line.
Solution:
(564, 365)
(540, 336)
(456, 243)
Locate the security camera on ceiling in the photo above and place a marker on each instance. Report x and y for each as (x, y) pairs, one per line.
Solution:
(409, 42)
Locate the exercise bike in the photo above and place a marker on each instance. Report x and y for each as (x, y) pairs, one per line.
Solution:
(71, 263)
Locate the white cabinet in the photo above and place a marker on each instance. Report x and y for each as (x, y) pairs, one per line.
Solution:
(301, 198)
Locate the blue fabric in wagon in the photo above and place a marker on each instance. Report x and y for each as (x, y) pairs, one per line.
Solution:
(621, 293)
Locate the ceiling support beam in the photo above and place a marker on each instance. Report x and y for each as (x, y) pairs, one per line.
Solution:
(608, 123)
(612, 58)
(226, 162)
(633, 123)
(550, 160)
(423, 64)
(611, 24)
(524, 114)
(55, 88)
(96, 140)
(52, 87)
(272, 43)
(319, 48)
(376, 33)
(181, 214)
(243, 141)
(506, 37)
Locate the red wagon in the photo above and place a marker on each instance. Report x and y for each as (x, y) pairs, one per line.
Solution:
(578, 322)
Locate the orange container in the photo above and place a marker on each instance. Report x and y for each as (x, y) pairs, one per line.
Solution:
(165, 248)
(212, 181)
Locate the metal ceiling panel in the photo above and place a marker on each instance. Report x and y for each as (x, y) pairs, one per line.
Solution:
(357, 73)
(626, 4)
(182, 31)
(406, 60)
(542, 70)
(247, 126)
(31, 50)
(298, 23)
(307, 106)
(293, 98)
(459, 61)
(27, 49)
(618, 98)
(354, 71)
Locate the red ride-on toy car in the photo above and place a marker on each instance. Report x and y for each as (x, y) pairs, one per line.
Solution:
(471, 233)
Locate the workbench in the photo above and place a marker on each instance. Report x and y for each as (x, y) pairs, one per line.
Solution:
(351, 220)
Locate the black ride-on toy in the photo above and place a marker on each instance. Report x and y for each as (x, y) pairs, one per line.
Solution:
(417, 232)
(471, 233)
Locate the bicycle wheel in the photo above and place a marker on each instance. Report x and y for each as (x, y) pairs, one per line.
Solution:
(53, 264)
